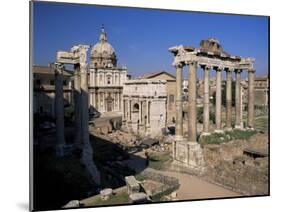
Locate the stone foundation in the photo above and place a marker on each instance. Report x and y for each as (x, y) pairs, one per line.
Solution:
(188, 154)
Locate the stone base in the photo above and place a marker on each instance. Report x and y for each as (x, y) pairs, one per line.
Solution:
(189, 154)
(205, 134)
(228, 129)
(250, 128)
(239, 127)
(219, 131)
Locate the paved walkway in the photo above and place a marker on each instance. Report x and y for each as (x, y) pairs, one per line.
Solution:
(192, 187)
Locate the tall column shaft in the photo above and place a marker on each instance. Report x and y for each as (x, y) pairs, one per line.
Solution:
(238, 111)
(59, 107)
(179, 122)
(228, 99)
(84, 105)
(218, 99)
(206, 112)
(192, 113)
(77, 105)
(251, 99)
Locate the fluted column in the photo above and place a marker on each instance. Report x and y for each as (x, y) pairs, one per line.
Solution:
(206, 112)
(251, 99)
(192, 113)
(218, 100)
(228, 99)
(238, 102)
(59, 108)
(179, 122)
(77, 106)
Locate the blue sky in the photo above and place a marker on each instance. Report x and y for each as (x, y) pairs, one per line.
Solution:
(141, 37)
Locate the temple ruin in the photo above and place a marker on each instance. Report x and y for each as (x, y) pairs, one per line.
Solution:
(210, 55)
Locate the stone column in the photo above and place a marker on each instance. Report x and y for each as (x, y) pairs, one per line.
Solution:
(238, 111)
(192, 113)
(251, 99)
(59, 108)
(206, 112)
(77, 106)
(228, 99)
(218, 100)
(179, 122)
(87, 156)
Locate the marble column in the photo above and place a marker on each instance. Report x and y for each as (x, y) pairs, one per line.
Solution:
(251, 99)
(87, 156)
(179, 122)
(77, 106)
(238, 102)
(192, 113)
(218, 100)
(206, 103)
(228, 99)
(59, 108)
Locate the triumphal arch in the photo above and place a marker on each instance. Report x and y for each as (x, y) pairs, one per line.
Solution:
(209, 56)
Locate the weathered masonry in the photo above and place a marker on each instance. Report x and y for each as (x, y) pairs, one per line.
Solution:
(77, 56)
(144, 109)
(210, 55)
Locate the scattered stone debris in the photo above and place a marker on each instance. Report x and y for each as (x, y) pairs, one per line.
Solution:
(72, 204)
(106, 193)
(132, 185)
(138, 197)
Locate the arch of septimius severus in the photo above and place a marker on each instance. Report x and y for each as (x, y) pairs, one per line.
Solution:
(210, 55)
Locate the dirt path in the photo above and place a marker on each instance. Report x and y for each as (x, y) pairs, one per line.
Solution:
(192, 187)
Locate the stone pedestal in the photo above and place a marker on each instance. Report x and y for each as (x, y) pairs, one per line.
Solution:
(188, 154)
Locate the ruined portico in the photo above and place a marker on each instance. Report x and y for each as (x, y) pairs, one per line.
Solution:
(210, 55)
(77, 56)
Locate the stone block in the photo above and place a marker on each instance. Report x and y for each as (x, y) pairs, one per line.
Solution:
(106, 193)
(138, 197)
(72, 204)
(132, 184)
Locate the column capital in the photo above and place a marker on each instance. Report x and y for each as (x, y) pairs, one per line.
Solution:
(251, 70)
(179, 65)
(229, 69)
(219, 68)
(238, 71)
(191, 62)
(206, 67)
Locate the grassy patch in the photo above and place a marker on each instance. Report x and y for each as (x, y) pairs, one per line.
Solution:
(121, 198)
(158, 160)
(217, 138)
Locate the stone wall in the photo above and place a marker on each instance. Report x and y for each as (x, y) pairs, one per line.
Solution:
(228, 166)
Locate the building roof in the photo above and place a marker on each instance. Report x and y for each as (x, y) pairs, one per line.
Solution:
(155, 74)
(41, 69)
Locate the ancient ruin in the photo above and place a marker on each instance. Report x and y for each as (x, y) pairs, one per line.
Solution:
(210, 55)
(76, 56)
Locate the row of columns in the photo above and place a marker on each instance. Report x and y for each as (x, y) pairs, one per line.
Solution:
(192, 119)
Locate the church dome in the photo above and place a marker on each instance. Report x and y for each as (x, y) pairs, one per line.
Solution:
(102, 53)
